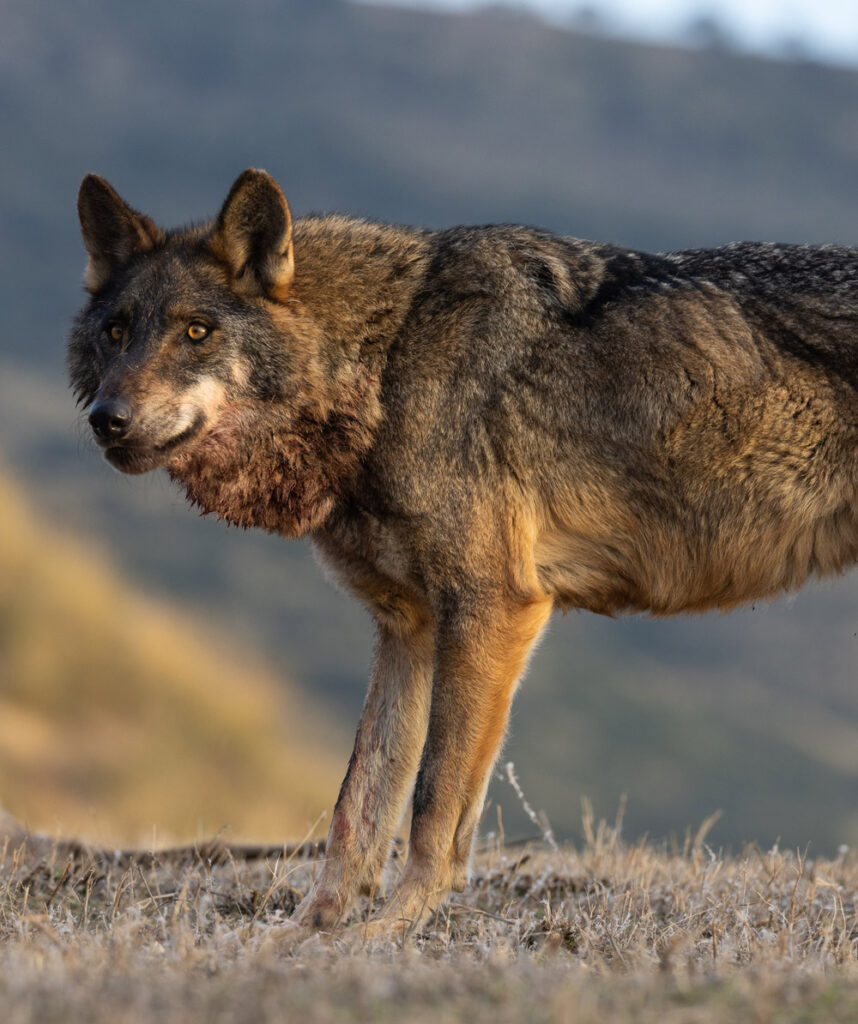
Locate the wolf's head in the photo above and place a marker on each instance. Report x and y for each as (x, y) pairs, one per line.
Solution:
(179, 336)
(205, 351)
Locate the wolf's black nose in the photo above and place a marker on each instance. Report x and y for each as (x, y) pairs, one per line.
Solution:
(110, 418)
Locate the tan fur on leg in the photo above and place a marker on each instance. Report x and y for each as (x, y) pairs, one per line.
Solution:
(479, 660)
(380, 774)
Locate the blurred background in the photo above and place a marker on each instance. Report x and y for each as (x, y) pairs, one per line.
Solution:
(163, 677)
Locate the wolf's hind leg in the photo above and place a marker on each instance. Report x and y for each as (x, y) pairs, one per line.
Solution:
(381, 773)
(480, 656)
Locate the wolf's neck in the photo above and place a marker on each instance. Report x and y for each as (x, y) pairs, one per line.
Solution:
(355, 279)
(283, 475)
(284, 464)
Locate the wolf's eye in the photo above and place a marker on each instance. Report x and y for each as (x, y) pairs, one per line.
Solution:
(196, 332)
(116, 332)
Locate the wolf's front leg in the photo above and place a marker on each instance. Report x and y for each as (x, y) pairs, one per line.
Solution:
(480, 656)
(381, 772)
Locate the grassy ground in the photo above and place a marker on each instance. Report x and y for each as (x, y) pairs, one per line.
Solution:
(608, 932)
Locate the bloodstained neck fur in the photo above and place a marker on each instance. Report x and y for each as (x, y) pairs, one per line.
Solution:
(284, 464)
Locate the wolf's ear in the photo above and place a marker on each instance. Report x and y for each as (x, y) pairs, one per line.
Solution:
(112, 231)
(253, 235)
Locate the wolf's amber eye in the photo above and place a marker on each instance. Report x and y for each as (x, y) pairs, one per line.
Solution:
(196, 332)
(116, 332)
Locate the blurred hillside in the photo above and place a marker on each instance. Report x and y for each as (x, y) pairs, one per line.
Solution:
(127, 720)
(400, 115)
(437, 119)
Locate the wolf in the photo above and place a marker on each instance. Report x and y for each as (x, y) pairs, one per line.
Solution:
(474, 426)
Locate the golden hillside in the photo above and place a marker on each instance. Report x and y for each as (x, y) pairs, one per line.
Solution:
(122, 718)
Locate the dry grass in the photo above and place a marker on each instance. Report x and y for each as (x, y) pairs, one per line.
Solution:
(608, 932)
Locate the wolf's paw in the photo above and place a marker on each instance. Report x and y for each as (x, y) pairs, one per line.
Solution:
(401, 919)
(382, 930)
(284, 939)
(320, 910)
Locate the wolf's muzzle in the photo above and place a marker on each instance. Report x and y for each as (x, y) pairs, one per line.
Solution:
(110, 418)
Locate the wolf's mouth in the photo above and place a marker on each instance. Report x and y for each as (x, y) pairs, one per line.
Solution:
(190, 431)
(135, 458)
